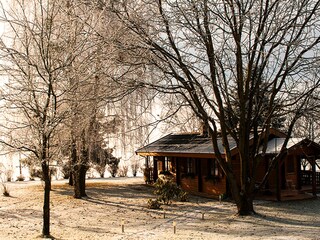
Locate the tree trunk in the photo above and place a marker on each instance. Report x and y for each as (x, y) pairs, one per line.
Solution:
(243, 199)
(79, 181)
(71, 178)
(46, 204)
(245, 205)
(76, 181)
(82, 175)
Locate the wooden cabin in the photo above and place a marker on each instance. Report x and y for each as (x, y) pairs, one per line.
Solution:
(191, 160)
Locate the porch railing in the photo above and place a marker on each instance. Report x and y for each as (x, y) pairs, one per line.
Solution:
(306, 178)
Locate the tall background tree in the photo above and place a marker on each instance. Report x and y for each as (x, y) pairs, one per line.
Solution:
(32, 91)
(99, 84)
(222, 54)
(38, 51)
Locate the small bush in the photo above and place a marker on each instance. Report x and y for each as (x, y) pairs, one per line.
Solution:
(5, 190)
(146, 174)
(113, 165)
(123, 171)
(167, 190)
(65, 170)
(153, 204)
(100, 168)
(9, 174)
(135, 165)
(34, 172)
(183, 196)
(20, 178)
(166, 173)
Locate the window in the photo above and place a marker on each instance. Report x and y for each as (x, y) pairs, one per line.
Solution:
(172, 162)
(189, 165)
(166, 163)
(213, 168)
(169, 164)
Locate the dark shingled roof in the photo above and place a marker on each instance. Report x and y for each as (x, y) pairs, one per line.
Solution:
(194, 143)
(184, 143)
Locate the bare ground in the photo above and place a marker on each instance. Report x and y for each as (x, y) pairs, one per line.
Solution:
(99, 215)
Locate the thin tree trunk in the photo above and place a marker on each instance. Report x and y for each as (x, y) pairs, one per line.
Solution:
(79, 181)
(46, 204)
(71, 178)
(83, 171)
(76, 182)
(83, 166)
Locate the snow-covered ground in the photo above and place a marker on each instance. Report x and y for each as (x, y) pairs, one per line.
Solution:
(110, 200)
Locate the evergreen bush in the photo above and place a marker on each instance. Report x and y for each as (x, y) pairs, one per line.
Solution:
(167, 189)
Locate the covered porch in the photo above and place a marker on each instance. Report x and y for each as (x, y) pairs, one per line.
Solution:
(297, 174)
(199, 175)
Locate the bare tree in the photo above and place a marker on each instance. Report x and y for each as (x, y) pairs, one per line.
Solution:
(91, 89)
(309, 124)
(217, 53)
(38, 50)
(126, 103)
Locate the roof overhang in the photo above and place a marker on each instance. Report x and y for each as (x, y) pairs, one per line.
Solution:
(176, 154)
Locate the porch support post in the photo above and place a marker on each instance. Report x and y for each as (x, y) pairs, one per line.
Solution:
(314, 186)
(178, 171)
(299, 184)
(163, 164)
(155, 169)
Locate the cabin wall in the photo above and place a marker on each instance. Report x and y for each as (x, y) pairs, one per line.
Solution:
(214, 188)
(190, 184)
(272, 181)
(291, 171)
(262, 168)
(209, 188)
(193, 174)
(287, 175)
(189, 181)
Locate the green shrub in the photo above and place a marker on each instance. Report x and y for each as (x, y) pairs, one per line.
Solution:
(166, 173)
(183, 196)
(167, 189)
(153, 204)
